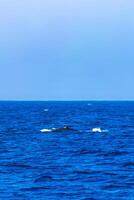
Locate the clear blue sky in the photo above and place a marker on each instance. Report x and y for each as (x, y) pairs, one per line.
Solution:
(66, 49)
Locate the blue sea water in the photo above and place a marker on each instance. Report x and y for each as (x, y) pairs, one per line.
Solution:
(66, 165)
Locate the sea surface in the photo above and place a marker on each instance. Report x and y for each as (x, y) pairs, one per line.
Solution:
(80, 165)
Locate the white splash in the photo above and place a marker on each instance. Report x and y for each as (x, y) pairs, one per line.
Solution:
(98, 130)
(45, 130)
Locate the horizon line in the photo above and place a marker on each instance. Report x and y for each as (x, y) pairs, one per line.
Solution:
(44, 100)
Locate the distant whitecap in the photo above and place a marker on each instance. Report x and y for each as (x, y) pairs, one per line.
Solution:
(46, 110)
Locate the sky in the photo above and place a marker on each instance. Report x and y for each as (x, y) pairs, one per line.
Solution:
(66, 50)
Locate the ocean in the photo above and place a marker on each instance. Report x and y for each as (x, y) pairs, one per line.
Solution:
(67, 165)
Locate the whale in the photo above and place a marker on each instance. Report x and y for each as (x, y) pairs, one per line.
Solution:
(62, 129)
(65, 128)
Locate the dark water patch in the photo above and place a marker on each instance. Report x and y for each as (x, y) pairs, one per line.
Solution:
(34, 189)
(88, 199)
(16, 165)
(2, 172)
(128, 164)
(85, 151)
(87, 172)
(19, 195)
(110, 173)
(115, 153)
(113, 187)
(4, 151)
